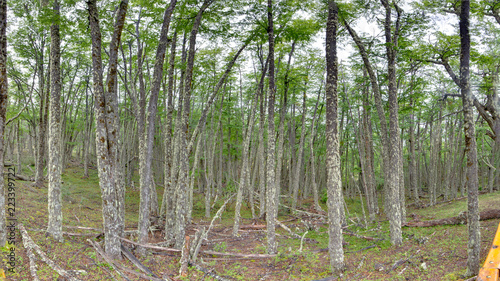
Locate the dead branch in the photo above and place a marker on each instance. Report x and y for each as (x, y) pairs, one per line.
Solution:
(365, 248)
(251, 256)
(136, 262)
(82, 227)
(294, 235)
(158, 248)
(28, 242)
(32, 259)
(184, 258)
(99, 250)
(350, 233)
(208, 272)
(460, 219)
(304, 212)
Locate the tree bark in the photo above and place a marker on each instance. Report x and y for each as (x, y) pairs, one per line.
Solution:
(334, 181)
(106, 131)
(474, 242)
(54, 227)
(147, 185)
(271, 192)
(182, 183)
(3, 109)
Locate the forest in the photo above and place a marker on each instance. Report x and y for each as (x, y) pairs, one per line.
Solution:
(249, 139)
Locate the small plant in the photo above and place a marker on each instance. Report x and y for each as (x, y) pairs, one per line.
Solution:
(220, 247)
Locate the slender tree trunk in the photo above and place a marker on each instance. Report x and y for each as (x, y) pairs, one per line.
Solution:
(54, 227)
(474, 242)
(147, 185)
(272, 190)
(245, 156)
(334, 180)
(182, 183)
(298, 165)
(3, 109)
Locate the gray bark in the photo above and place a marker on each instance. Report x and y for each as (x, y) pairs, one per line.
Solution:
(272, 191)
(147, 176)
(474, 241)
(334, 180)
(106, 131)
(3, 109)
(54, 227)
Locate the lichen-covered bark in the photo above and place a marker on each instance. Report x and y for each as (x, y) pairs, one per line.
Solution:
(146, 177)
(334, 180)
(298, 165)
(182, 183)
(167, 201)
(271, 192)
(106, 131)
(474, 242)
(3, 110)
(54, 227)
(394, 140)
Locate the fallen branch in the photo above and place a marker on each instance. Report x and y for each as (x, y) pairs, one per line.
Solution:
(99, 250)
(23, 177)
(365, 248)
(304, 212)
(250, 256)
(294, 235)
(28, 242)
(208, 272)
(136, 262)
(158, 248)
(350, 233)
(460, 219)
(32, 259)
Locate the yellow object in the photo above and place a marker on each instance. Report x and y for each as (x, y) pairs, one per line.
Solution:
(491, 268)
(2, 274)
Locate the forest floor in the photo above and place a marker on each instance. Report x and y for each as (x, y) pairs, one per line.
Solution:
(427, 253)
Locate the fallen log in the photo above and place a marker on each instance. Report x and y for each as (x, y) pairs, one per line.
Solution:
(208, 272)
(460, 219)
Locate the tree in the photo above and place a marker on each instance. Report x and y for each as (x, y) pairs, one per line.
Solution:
(334, 181)
(146, 177)
(474, 242)
(54, 165)
(106, 113)
(3, 110)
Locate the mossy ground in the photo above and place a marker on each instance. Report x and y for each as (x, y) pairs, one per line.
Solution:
(436, 253)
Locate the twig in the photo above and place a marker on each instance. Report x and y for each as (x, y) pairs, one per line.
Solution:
(99, 250)
(361, 262)
(304, 212)
(136, 262)
(29, 243)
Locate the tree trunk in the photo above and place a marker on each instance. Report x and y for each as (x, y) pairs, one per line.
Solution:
(3, 109)
(106, 131)
(54, 227)
(147, 185)
(182, 183)
(334, 181)
(272, 191)
(474, 242)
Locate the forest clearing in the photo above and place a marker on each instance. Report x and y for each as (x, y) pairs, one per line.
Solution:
(250, 140)
(427, 253)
